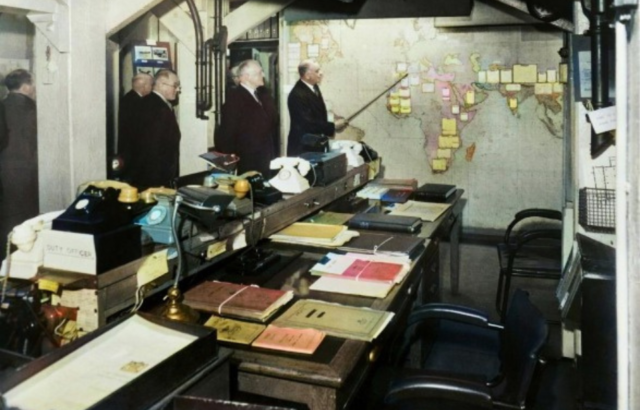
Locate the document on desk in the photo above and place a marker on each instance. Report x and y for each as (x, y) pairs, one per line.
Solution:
(99, 368)
(427, 211)
(235, 331)
(367, 289)
(362, 267)
(302, 233)
(330, 218)
(289, 339)
(336, 320)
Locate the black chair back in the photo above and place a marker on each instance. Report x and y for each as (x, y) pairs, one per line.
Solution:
(525, 333)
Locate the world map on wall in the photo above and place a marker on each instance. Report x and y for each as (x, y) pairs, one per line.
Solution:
(443, 92)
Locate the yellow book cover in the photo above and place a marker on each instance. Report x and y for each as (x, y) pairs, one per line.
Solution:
(235, 331)
(312, 230)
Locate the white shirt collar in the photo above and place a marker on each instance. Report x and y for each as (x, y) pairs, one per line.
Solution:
(251, 90)
(163, 99)
(309, 85)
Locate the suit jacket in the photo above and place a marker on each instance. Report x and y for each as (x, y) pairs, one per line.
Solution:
(128, 115)
(249, 129)
(308, 115)
(155, 150)
(18, 162)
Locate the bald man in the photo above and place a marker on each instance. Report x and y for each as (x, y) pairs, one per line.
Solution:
(307, 110)
(249, 126)
(129, 112)
(155, 150)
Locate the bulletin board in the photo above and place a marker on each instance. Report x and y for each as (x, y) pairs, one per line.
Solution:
(150, 57)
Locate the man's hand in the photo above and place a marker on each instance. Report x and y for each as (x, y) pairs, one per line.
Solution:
(341, 124)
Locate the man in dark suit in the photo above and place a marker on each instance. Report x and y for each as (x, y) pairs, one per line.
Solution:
(307, 110)
(129, 112)
(155, 150)
(249, 126)
(19, 153)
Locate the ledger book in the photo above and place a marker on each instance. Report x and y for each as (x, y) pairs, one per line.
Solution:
(230, 299)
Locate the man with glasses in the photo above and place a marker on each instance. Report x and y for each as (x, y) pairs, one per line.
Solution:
(249, 126)
(307, 110)
(155, 146)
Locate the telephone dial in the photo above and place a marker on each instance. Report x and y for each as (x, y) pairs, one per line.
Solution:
(290, 179)
(95, 210)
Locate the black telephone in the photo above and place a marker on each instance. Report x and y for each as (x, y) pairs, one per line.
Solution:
(263, 192)
(95, 210)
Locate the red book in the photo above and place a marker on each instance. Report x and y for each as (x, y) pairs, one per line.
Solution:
(230, 299)
(372, 270)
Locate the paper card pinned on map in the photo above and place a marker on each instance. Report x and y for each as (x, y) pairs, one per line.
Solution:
(513, 87)
(470, 97)
(449, 126)
(563, 73)
(506, 76)
(324, 43)
(525, 73)
(543, 89)
(405, 106)
(404, 93)
(464, 117)
(482, 76)
(455, 109)
(428, 87)
(446, 93)
(414, 79)
(558, 88)
(404, 83)
(542, 77)
(449, 142)
(513, 103)
(603, 120)
(443, 153)
(401, 68)
(493, 76)
(552, 76)
(439, 164)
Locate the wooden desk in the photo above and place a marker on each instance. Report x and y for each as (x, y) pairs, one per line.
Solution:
(449, 226)
(330, 378)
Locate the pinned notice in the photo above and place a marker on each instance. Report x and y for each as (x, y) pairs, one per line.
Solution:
(449, 126)
(603, 120)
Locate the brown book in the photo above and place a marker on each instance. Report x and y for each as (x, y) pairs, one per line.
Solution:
(242, 301)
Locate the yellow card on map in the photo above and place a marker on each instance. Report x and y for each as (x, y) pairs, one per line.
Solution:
(525, 73)
(449, 126)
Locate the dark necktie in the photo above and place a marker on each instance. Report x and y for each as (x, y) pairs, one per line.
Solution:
(316, 90)
(255, 95)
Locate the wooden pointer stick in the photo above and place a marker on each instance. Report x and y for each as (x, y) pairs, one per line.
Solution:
(374, 100)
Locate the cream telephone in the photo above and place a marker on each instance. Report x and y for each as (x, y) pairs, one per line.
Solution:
(25, 261)
(351, 148)
(290, 179)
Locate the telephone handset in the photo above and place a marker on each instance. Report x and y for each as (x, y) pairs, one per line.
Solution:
(127, 193)
(290, 179)
(30, 254)
(352, 150)
(24, 235)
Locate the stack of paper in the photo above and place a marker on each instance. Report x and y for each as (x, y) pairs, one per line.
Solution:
(303, 233)
(336, 320)
(359, 274)
(290, 339)
(230, 299)
(427, 211)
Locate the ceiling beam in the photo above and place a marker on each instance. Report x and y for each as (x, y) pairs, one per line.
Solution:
(122, 12)
(521, 5)
(250, 14)
(38, 6)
